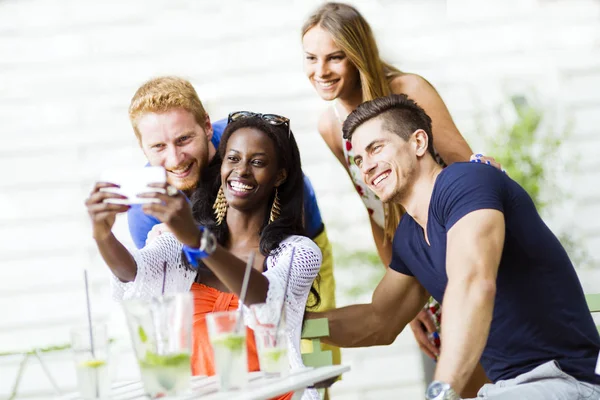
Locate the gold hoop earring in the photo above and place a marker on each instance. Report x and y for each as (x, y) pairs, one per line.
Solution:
(220, 206)
(275, 208)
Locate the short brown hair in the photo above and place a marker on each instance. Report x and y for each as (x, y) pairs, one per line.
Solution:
(400, 115)
(163, 94)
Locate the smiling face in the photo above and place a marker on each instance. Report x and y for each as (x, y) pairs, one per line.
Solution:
(387, 162)
(175, 141)
(327, 66)
(249, 172)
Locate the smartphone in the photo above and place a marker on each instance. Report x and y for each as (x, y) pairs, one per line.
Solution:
(133, 181)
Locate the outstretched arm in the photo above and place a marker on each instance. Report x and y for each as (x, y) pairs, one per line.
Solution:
(423, 323)
(474, 249)
(103, 215)
(396, 301)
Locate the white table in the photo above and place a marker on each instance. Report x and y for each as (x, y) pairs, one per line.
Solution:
(259, 387)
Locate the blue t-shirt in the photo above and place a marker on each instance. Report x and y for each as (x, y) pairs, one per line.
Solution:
(140, 224)
(540, 313)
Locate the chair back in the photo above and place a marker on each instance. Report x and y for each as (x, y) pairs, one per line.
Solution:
(593, 303)
(314, 330)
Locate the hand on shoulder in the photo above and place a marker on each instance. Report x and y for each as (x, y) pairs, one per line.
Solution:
(480, 158)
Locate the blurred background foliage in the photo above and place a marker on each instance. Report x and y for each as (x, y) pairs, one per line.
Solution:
(529, 147)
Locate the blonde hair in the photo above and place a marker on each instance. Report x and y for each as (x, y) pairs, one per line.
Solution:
(163, 94)
(352, 33)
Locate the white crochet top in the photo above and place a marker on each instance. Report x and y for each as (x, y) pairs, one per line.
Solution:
(166, 248)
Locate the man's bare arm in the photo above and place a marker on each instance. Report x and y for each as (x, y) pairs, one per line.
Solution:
(396, 301)
(474, 249)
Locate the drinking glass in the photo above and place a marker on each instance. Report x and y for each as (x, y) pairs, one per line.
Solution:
(228, 340)
(91, 361)
(161, 332)
(271, 340)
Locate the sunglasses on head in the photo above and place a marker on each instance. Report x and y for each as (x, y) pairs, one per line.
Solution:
(272, 119)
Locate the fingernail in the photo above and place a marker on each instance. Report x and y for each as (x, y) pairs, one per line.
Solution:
(472, 161)
(478, 160)
(488, 163)
(478, 155)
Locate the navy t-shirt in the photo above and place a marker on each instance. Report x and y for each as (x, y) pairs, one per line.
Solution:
(140, 224)
(540, 313)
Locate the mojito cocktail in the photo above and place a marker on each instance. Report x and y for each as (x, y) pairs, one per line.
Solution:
(160, 330)
(91, 362)
(228, 340)
(165, 374)
(272, 346)
(271, 339)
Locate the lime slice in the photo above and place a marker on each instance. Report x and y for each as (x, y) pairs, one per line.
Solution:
(92, 363)
(233, 343)
(167, 360)
(142, 335)
(275, 354)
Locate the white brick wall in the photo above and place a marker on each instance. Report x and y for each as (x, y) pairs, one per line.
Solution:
(69, 67)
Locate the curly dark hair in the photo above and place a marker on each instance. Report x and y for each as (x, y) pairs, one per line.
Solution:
(291, 191)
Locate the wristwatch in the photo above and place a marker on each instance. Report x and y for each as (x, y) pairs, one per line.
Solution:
(208, 244)
(440, 391)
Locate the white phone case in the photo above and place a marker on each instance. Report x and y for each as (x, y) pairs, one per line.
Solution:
(132, 182)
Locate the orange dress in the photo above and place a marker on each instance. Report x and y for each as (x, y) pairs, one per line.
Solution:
(207, 300)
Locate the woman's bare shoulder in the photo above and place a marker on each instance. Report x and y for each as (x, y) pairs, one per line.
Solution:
(329, 128)
(327, 122)
(410, 84)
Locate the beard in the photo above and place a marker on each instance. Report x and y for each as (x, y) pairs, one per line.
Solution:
(404, 185)
(397, 195)
(186, 184)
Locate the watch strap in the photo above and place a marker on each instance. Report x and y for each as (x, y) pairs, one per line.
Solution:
(207, 246)
(193, 255)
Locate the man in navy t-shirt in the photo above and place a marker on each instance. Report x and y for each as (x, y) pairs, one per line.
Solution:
(472, 238)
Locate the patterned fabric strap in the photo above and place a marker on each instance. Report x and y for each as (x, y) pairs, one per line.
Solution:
(435, 310)
(371, 201)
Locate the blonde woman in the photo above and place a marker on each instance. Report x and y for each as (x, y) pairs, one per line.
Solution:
(342, 62)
